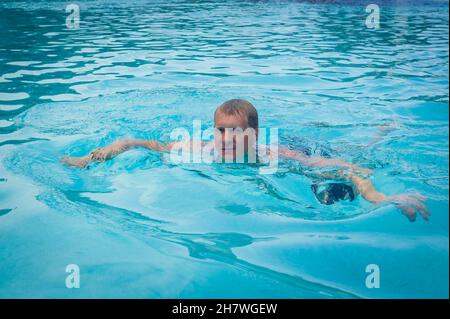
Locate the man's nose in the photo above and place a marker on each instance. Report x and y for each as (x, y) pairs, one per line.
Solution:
(227, 137)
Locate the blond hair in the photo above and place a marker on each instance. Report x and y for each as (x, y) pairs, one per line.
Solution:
(239, 107)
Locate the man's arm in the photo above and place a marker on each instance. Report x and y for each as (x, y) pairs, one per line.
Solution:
(116, 148)
(318, 161)
(409, 204)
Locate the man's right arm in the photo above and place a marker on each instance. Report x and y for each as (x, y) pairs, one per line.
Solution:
(111, 151)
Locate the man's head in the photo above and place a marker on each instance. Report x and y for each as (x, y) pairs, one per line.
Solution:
(236, 123)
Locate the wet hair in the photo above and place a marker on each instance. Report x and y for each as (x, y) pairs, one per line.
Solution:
(241, 108)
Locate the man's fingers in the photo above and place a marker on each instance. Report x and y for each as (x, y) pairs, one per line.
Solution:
(423, 215)
(74, 162)
(415, 200)
(424, 212)
(420, 197)
(98, 155)
(410, 204)
(68, 160)
(422, 209)
(417, 196)
(408, 211)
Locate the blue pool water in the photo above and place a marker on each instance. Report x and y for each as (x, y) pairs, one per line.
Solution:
(142, 228)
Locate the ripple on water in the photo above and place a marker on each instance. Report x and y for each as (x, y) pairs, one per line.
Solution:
(17, 96)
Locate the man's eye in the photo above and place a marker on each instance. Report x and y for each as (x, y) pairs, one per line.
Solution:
(221, 129)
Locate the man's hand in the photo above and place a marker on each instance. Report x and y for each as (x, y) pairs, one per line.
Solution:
(108, 152)
(410, 204)
(99, 155)
(80, 162)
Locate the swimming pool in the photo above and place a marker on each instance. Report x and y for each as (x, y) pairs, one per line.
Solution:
(139, 227)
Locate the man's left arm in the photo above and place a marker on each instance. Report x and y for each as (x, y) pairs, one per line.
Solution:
(319, 161)
(409, 204)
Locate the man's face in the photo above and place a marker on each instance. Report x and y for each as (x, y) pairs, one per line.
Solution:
(228, 133)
